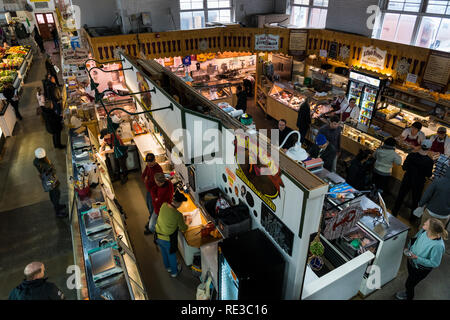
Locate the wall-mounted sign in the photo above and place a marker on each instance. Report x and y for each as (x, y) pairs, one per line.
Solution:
(364, 78)
(373, 57)
(267, 42)
(297, 42)
(437, 72)
(187, 60)
(333, 51)
(323, 53)
(77, 56)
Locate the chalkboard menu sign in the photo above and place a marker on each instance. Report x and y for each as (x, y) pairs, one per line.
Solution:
(333, 52)
(437, 72)
(277, 229)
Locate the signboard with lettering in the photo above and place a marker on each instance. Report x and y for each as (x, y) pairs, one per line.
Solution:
(333, 51)
(267, 42)
(297, 42)
(77, 56)
(341, 223)
(373, 57)
(437, 72)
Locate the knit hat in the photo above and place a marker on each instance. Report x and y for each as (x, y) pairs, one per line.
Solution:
(321, 139)
(442, 130)
(39, 153)
(179, 197)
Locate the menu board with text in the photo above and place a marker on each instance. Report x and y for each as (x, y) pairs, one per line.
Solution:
(437, 72)
(297, 42)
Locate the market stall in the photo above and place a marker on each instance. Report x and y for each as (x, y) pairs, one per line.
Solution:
(100, 239)
(16, 62)
(7, 118)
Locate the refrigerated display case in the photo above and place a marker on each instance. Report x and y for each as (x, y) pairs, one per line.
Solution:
(246, 272)
(365, 89)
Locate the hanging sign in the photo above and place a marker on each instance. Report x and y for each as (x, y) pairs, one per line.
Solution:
(267, 42)
(187, 60)
(297, 42)
(333, 51)
(373, 57)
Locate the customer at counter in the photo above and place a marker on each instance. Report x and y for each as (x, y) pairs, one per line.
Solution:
(424, 255)
(162, 193)
(283, 133)
(440, 142)
(435, 201)
(358, 173)
(241, 99)
(120, 152)
(304, 120)
(171, 220)
(323, 149)
(385, 157)
(350, 111)
(417, 166)
(148, 176)
(413, 136)
(332, 132)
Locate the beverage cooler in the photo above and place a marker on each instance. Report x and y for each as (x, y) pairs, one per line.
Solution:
(247, 272)
(365, 89)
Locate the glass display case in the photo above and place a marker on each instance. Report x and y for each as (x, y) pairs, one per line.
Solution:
(361, 137)
(215, 92)
(319, 109)
(286, 96)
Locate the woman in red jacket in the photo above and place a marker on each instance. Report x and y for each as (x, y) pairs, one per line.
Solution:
(148, 176)
(163, 192)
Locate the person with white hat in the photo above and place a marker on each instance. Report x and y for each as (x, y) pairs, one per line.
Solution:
(50, 182)
(418, 166)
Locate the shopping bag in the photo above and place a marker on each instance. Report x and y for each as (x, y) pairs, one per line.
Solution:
(203, 290)
(418, 212)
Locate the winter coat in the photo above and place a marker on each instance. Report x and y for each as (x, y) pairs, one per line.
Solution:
(52, 120)
(38, 289)
(385, 157)
(437, 196)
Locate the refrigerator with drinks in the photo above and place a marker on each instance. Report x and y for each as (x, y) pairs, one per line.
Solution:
(247, 272)
(365, 89)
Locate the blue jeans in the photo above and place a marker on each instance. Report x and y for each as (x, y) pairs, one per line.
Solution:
(152, 222)
(169, 259)
(149, 203)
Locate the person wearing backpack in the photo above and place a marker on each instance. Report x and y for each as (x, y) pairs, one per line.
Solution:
(50, 182)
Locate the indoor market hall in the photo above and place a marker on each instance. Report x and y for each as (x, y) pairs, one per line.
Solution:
(188, 150)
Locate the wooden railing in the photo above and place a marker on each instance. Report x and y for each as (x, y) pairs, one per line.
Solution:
(184, 42)
(416, 56)
(236, 38)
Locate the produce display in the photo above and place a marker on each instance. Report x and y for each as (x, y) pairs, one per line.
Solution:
(13, 57)
(6, 77)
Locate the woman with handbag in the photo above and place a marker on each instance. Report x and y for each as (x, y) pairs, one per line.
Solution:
(424, 254)
(50, 182)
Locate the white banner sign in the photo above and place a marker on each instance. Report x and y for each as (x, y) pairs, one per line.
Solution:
(373, 57)
(266, 42)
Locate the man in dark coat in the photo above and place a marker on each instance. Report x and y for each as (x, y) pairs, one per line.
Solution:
(55, 37)
(241, 99)
(38, 39)
(53, 125)
(10, 95)
(35, 286)
(304, 120)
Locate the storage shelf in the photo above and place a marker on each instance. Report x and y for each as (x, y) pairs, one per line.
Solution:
(417, 106)
(394, 87)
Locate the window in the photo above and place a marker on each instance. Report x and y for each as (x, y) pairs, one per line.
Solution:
(309, 13)
(424, 23)
(195, 13)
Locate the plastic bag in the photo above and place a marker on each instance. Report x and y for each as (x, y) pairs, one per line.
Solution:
(418, 212)
(203, 290)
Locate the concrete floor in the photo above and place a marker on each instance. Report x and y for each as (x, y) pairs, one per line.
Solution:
(29, 231)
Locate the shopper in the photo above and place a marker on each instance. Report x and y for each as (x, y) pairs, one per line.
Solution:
(11, 97)
(323, 149)
(385, 157)
(148, 176)
(440, 142)
(35, 286)
(413, 136)
(304, 120)
(436, 200)
(53, 124)
(358, 173)
(241, 99)
(55, 37)
(161, 194)
(417, 166)
(349, 111)
(283, 132)
(38, 39)
(120, 154)
(40, 97)
(425, 255)
(50, 182)
(51, 69)
(48, 85)
(170, 220)
(332, 132)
